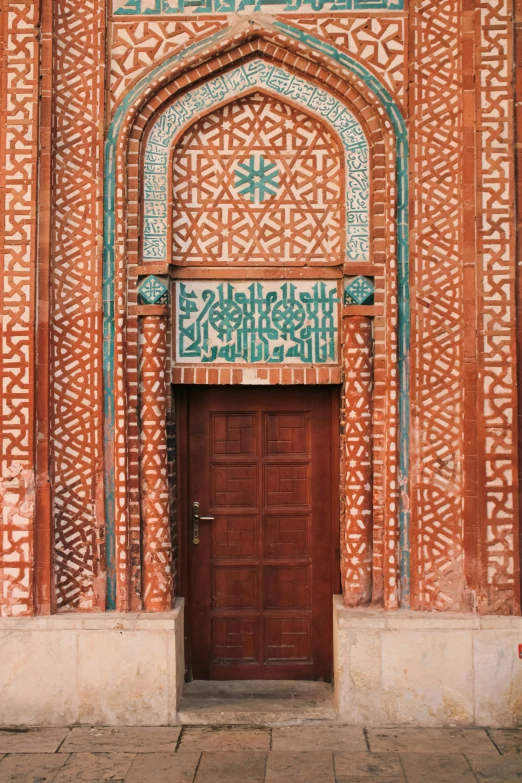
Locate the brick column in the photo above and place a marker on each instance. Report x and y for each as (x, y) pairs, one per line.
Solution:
(154, 489)
(356, 462)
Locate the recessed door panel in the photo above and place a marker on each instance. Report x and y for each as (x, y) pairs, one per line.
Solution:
(261, 576)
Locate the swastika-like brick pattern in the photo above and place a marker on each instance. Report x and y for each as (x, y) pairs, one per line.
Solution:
(19, 69)
(498, 506)
(76, 392)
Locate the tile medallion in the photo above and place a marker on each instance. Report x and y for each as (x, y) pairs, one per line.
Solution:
(358, 290)
(269, 322)
(185, 7)
(233, 85)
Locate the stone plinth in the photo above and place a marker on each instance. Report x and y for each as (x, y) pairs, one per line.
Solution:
(103, 669)
(427, 668)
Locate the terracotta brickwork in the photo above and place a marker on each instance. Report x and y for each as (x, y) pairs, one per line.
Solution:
(498, 464)
(18, 241)
(76, 451)
(436, 109)
(253, 198)
(356, 462)
(157, 572)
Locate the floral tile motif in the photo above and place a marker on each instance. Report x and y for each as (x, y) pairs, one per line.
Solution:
(358, 290)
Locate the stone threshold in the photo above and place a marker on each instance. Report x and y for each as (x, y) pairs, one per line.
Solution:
(257, 703)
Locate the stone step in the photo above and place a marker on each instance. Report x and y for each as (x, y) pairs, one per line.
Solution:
(256, 702)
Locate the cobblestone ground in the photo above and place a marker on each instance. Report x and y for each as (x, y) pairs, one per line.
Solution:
(311, 754)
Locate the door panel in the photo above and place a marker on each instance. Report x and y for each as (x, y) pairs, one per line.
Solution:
(261, 582)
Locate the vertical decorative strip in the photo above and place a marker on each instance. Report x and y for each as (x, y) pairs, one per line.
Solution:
(356, 462)
(76, 336)
(437, 308)
(498, 469)
(19, 73)
(154, 479)
(44, 593)
(518, 199)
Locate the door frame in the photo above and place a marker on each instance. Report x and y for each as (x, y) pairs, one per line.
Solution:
(181, 395)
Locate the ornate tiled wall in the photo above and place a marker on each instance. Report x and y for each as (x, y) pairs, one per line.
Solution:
(271, 139)
(18, 243)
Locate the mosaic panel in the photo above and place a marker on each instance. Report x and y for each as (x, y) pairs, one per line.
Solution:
(19, 54)
(147, 7)
(231, 85)
(75, 329)
(257, 181)
(437, 257)
(268, 322)
(497, 346)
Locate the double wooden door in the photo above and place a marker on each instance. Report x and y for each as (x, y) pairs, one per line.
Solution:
(261, 570)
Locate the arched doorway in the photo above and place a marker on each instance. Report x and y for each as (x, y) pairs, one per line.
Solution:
(258, 205)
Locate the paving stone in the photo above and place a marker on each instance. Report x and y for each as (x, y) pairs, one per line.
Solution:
(316, 767)
(370, 779)
(231, 767)
(414, 740)
(31, 740)
(225, 739)
(150, 739)
(507, 740)
(30, 767)
(501, 769)
(163, 768)
(319, 738)
(95, 767)
(367, 765)
(437, 768)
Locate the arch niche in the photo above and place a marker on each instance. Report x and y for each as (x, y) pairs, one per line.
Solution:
(352, 105)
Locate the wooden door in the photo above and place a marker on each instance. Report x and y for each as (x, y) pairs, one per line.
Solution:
(261, 463)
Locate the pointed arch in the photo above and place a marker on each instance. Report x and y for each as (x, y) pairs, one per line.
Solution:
(374, 103)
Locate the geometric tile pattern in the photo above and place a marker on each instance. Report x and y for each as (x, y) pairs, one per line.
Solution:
(436, 255)
(377, 41)
(358, 290)
(232, 84)
(356, 462)
(257, 182)
(137, 7)
(19, 74)
(153, 290)
(157, 553)
(135, 46)
(75, 333)
(269, 322)
(497, 337)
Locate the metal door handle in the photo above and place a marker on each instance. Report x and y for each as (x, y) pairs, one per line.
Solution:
(196, 519)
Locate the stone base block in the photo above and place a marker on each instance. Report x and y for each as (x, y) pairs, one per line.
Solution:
(100, 669)
(427, 668)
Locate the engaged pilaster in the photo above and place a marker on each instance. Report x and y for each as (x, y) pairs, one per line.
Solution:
(356, 462)
(154, 488)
